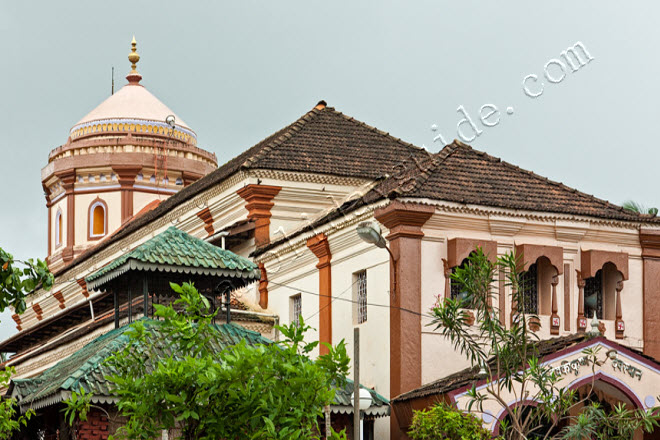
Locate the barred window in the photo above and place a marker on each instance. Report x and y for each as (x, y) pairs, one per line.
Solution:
(530, 289)
(296, 309)
(361, 297)
(593, 296)
(455, 288)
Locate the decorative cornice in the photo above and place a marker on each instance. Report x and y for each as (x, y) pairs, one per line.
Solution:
(650, 241)
(259, 200)
(83, 285)
(527, 254)
(290, 176)
(593, 260)
(321, 248)
(505, 226)
(37, 309)
(127, 125)
(60, 298)
(207, 218)
(68, 178)
(530, 215)
(17, 319)
(126, 174)
(459, 249)
(404, 219)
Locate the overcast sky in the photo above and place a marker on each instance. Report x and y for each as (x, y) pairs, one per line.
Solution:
(238, 71)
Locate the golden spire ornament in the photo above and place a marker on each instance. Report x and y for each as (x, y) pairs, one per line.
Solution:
(133, 77)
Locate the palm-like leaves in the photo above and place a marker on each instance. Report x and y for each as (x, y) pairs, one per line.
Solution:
(631, 205)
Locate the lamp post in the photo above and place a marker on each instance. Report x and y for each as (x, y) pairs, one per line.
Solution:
(370, 232)
(364, 401)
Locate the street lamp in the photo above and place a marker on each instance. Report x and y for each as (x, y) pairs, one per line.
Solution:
(364, 403)
(370, 232)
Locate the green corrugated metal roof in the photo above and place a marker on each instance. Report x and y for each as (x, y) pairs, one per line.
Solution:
(176, 251)
(380, 406)
(86, 368)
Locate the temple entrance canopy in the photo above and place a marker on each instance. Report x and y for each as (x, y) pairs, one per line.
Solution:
(141, 278)
(620, 375)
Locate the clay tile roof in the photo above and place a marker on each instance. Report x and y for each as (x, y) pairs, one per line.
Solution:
(328, 142)
(461, 174)
(469, 176)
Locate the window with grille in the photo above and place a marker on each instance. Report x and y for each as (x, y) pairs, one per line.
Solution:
(593, 296)
(455, 288)
(361, 296)
(530, 288)
(296, 309)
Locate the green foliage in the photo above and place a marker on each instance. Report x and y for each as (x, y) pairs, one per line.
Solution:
(77, 407)
(637, 207)
(170, 376)
(10, 419)
(446, 422)
(500, 352)
(16, 282)
(619, 424)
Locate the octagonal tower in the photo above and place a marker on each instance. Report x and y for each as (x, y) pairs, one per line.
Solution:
(129, 152)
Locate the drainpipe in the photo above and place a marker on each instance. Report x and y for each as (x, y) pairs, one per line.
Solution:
(221, 234)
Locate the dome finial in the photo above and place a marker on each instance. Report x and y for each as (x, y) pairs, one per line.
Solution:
(133, 77)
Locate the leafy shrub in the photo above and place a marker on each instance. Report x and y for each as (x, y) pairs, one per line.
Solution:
(446, 422)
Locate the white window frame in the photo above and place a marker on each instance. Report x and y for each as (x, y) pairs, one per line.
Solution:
(91, 219)
(58, 221)
(295, 308)
(360, 297)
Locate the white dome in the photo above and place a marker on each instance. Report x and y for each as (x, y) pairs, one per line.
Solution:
(135, 103)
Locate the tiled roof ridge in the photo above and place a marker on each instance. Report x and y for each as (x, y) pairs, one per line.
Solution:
(109, 339)
(435, 161)
(285, 134)
(377, 131)
(561, 185)
(294, 128)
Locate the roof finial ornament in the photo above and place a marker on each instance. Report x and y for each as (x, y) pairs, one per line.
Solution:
(594, 325)
(133, 77)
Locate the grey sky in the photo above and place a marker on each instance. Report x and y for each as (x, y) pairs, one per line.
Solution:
(237, 71)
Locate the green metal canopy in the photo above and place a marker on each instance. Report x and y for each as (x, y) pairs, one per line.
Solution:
(175, 251)
(87, 369)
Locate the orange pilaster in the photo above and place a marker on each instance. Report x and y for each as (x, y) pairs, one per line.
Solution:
(259, 200)
(405, 223)
(263, 287)
(126, 177)
(320, 247)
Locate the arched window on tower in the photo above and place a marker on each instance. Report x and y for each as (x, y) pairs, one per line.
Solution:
(98, 219)
(600, 293)
(58, 228)
(456, 289)
(536, 285)
(529, 285)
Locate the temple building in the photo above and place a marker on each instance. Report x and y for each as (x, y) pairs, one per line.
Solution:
(291, 204)
(129, 152)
